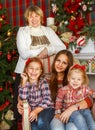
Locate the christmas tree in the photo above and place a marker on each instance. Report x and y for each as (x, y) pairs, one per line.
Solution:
(72, 16)
(8, 59)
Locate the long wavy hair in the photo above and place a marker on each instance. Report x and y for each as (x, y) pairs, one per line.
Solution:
(54, 77)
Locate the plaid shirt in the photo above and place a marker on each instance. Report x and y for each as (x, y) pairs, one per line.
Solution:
(37, 96)
(68, 96)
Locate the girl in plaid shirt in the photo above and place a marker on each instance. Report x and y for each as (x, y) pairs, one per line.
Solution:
(76, 91)
(35, 89)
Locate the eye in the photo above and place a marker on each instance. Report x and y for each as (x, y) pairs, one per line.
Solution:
(58, 61)
(65, 63)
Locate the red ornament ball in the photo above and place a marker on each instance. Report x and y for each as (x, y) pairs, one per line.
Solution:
(1, 6)
(9, 57)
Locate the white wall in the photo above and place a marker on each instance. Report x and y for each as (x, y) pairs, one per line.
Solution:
(92, 81)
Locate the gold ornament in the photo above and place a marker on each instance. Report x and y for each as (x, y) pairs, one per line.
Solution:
(9, 33)
(65, 37)
(53, 27)
(1, 19)
(73, 18)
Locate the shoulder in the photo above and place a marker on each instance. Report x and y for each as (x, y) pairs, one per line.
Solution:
(23, 29)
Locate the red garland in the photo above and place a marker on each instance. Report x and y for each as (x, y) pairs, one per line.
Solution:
(3, 106)
(72, 6)
(76, 24)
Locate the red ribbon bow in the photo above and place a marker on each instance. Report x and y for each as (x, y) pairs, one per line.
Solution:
(28, 61)
(82, 67)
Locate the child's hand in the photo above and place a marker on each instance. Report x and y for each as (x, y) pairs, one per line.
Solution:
(24, 78)
(32, 116)
(64, 117)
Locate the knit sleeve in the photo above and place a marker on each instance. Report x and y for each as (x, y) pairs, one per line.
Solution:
(89, 101)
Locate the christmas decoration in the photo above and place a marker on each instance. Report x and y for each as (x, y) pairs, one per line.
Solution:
(81, 41)
(8, 59)
(8, 116)
(71, 16)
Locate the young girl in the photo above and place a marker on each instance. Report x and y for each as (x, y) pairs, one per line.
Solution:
(35, 89)
(76, 91)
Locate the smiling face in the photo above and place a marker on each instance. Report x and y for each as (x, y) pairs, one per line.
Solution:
(33, 71)
(75, 79)
(34, 19)
(61, 63)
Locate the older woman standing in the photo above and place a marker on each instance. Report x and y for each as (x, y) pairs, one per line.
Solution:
(34, 39)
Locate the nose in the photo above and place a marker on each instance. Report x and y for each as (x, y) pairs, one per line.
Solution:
(34, 70)
(60, 63)
(75, 80)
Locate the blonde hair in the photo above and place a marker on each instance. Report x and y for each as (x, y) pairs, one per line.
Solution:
(34, 9)
(79, 70)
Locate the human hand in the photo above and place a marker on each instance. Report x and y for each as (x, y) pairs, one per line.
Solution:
(64, 117)
(43, 54)
(24, 78)
(32, 116)
(20, 106)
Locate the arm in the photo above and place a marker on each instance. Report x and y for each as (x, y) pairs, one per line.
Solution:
(45, 94)
(33, 114)
(23, 44)
(20, 106)
(45, 102)
(86, 103)
(43, 54)
(56, 44)
(23, 87)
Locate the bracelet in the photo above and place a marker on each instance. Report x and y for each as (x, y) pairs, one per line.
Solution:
(77, 106)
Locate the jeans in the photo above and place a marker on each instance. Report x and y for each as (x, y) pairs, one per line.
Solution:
(43, 120)
(56, 124)
(89, 118)
(78, 119)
